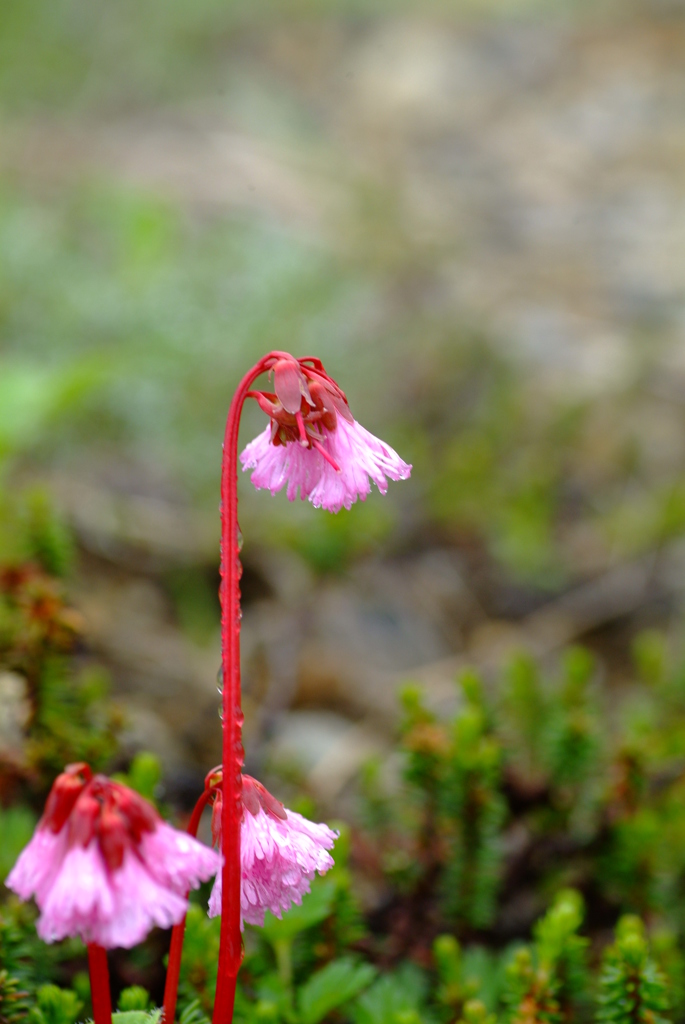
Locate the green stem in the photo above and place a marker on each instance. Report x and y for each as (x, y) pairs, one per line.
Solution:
(284, 961)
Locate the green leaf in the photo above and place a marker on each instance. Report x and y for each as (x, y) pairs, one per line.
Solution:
(274, 999)
(137, 1017)
(392, 994)
(193, 1014)
(315, 907)
(133, 998)
(335, 984)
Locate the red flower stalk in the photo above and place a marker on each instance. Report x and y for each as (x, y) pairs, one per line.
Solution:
(230, 945)
(312, 443)
(212, 780)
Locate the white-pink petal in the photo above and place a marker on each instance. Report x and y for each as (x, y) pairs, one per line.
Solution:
(275, 466)
(278, 862)
(38, 863)
(80, 897)
(140, 904)
(116, 908)
(177, 860)
(360, 456)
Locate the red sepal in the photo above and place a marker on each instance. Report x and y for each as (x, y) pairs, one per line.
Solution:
(65, 791)
(256, 796)
(112, 837)
(317, 374)
(82, 820)
(267, 401)
(139, 815)
(216, 817)
(290, 385)
(250, 798)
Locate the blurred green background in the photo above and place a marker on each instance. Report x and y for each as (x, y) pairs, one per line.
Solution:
(474, 213)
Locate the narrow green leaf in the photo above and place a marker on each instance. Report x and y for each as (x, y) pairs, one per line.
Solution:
(331, 987)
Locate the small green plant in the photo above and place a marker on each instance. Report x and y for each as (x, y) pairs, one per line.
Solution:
(474, 811)
(26, 959)
(451, 992)
(55, 1006)
(475, 1012)
(14, 1002)
(529, 996)
(632, 989)
(455, 774)
(550, 982)
(135, 997)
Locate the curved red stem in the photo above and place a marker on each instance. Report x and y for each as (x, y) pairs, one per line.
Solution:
(99, 984)
(178, 931)
(230, 948)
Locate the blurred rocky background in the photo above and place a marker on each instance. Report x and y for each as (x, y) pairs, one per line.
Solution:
(474, 213)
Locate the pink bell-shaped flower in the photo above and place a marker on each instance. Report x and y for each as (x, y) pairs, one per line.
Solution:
(280, 852)
(104, 866)
(313, 444)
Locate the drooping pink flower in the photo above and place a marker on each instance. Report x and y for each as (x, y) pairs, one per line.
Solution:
(313, 444)
(104, 866)
(280, 852)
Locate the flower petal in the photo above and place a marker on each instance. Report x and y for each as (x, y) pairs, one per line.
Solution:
(360, 455)
(278, 862)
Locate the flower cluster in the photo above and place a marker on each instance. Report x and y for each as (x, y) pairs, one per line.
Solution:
(313, 444)
(104, 866)
(280, 852)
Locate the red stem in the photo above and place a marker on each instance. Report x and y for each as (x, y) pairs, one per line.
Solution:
(99, 984)
(230, 947)
(178, 931)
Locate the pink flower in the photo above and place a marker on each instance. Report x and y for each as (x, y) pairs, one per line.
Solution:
(280, 852)
(104, 866)
(313, 445)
